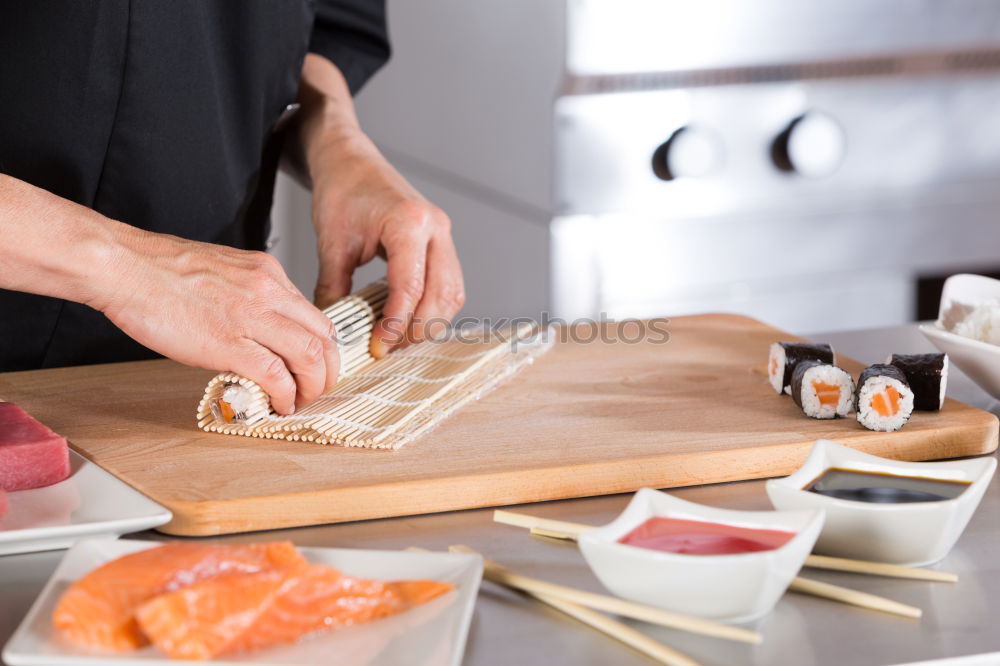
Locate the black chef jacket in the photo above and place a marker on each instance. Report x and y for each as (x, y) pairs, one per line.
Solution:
(157, 113)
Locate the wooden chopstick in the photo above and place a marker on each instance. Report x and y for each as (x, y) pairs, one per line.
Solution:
(621, 632)
(571, 530)
(878, 569)
(503, 576)
(560, 529)
(613, 628)
(852, 597)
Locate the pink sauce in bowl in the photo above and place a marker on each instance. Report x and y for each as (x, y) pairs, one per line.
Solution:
(692, 537)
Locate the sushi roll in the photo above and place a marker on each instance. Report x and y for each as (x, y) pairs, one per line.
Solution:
(785, 356)
(884, 399)
(822, 390)
(927, 375)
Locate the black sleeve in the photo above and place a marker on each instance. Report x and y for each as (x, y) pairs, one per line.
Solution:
(353, 35)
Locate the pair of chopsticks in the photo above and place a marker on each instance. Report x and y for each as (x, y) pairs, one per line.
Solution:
(580, 605)
(558, 529)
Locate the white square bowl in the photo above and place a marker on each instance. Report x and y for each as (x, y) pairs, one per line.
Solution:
(727, 588)
(979, 360)
(913, 534)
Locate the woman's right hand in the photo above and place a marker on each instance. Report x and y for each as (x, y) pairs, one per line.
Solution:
(201, 304)
(222, 309)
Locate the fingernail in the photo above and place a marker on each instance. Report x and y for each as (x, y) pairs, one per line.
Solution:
(378, 348)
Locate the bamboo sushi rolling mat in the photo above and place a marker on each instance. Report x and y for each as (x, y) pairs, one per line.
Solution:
(377, 403)
(589, 417)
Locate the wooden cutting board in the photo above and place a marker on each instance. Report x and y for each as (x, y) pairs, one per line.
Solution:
(588, 418)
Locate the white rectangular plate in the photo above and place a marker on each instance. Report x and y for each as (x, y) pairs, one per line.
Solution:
(90, 503)
(430, 635)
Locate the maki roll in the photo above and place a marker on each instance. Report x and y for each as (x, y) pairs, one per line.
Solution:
(927, 375)
(822, 390)
(884, 399)
(785, 356)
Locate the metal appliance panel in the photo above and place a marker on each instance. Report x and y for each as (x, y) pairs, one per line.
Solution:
(615, 36)
(904, 139)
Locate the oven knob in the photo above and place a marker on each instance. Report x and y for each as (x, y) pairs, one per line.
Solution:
(813, 145)
(690, 152)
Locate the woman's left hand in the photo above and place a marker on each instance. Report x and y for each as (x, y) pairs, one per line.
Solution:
(363, 207)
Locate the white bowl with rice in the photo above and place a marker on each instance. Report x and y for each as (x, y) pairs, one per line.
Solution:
(968, 328)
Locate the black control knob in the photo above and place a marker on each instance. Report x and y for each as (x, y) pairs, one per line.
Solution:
(690, 152)
(813, 145)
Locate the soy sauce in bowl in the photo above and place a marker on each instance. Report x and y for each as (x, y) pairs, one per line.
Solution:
(876, 488)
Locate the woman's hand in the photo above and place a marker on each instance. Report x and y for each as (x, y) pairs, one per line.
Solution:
(221, 308)
(363, 207)
(201, 304)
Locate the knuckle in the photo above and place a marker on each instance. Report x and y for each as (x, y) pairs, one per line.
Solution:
(261, 283)
(413, 285)
(453, 297)
(414, 213)
(275, 372)
(260, 315)
(265, 270)
(440, 219)
(314, 350)
(266, 261)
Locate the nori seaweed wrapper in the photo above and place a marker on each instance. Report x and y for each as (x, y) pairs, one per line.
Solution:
(878, 370)
(800, 372)
(924, 373)
(797, 352)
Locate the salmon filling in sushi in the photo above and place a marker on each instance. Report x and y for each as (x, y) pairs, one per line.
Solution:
(884, 399)
(822, 390)
(784, 356)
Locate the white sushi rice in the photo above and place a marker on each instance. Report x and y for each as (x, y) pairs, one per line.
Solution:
(981, 323)
(239, 400)
(870, 418)
(776, 368)
(831, 375)
(944, 380)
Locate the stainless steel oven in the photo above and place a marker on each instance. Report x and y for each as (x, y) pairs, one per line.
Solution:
(806, 163)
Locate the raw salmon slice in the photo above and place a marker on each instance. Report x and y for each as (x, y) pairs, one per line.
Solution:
(235, 613)
(828, 394)
(886, 406)
(99, 609)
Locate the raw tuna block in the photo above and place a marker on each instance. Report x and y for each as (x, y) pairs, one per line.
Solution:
(3, 504)
(31, 455)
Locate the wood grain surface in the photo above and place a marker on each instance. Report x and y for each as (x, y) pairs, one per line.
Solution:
(588, 418)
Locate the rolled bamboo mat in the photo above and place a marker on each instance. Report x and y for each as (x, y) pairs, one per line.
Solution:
(377, 403)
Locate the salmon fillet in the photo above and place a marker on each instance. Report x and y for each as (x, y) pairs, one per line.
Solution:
(99, 609)
(244, 612)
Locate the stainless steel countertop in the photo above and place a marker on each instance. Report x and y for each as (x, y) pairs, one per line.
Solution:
(959, 619)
